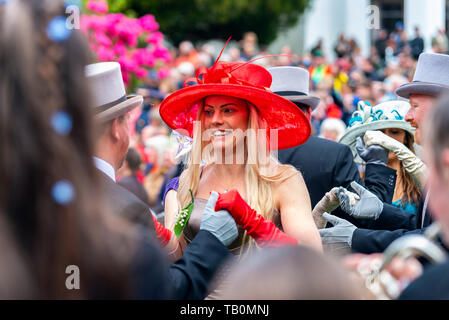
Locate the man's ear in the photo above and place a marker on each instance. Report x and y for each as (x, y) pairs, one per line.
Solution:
(115, 129)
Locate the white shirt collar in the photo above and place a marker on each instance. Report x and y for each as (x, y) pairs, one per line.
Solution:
(105, 167)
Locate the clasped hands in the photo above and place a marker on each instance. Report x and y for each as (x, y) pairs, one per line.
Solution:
(262, 230)
(367, 206)
(330, 202)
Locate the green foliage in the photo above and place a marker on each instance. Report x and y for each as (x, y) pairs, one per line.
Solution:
(121, 6)
(207, 19)
(118, 6)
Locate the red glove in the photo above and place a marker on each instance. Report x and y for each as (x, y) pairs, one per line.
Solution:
(162, 234)
(262, 230)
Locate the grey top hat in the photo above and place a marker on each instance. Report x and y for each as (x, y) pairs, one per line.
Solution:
(292, 83)
(431, 76)
(109, 97)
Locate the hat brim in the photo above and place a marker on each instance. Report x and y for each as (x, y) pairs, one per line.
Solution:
(416, 87)
(350, 136)
(132, 101)
(310, 101)
(179, 110)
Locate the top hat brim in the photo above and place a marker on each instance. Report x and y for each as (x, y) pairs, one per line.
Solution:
(310, 101)
(416, 87)
(131, 102)
(179, 111)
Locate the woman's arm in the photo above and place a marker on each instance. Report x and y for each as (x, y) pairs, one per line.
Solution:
(296, 211)
(175, 246)
(171, 209)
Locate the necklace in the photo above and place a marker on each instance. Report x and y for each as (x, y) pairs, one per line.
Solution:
(226, 189)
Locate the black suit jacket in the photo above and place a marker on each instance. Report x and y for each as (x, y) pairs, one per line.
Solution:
(124, 203)
(186, 279)
(395, 223)
(132, 184)
(433, 284)
(153, 276)
(326, 164)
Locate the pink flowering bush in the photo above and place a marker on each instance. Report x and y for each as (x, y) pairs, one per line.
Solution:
(97, 6)
(135, 43)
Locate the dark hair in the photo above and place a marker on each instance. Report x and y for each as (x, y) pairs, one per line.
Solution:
(41, 80)
(133, 159)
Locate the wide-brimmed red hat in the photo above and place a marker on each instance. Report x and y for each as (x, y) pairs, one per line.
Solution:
(245, 81)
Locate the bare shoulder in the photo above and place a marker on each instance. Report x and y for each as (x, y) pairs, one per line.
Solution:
(290, 191)
(288, 176)
(289, 179)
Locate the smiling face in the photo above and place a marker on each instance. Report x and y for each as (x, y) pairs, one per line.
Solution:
(222, 118)
(421, 104)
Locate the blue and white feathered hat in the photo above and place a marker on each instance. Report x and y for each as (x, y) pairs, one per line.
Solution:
(390, 114)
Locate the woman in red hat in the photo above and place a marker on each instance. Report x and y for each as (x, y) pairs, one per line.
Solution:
(235, 121)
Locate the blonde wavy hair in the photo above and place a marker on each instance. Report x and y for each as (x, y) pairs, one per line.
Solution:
(261, 169)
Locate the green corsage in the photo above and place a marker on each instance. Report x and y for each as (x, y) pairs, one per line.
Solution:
(182, 218)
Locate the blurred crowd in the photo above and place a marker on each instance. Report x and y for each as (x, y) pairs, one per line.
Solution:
(263, 227)
(340, 82)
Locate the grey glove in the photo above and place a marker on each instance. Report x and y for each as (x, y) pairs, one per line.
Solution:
(219, 223)
(329, 203)
(374, 154)
(341, 232)
(367, 207)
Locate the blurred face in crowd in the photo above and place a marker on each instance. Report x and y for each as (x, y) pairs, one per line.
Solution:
(364, 92)
(319, 60)
(249, 49)
(153, 155)
(420, 106)
(367, 66)
(224, 117)
(234, 54)
(286, 50)
(383, 34)
(250, 37)
(185, 47)
(397, 134)
(147, 133)
(145, 93)
(330, 135)
(168, 160)
(378, 90)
